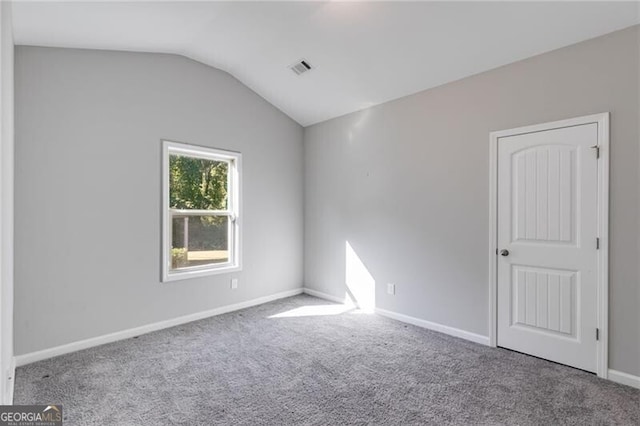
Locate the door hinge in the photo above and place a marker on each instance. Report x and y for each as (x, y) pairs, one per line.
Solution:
(597, 148)
(597, 243)
(597, 334)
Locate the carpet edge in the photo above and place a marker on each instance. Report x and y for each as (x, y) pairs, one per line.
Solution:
(624, 378)
(31, 357)
(434, 326)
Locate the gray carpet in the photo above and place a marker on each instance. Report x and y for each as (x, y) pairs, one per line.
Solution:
(245, 368)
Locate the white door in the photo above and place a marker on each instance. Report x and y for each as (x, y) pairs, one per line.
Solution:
(547, 247)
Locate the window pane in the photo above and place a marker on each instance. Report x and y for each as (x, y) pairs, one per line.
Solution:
(199, 240)
(197, 183)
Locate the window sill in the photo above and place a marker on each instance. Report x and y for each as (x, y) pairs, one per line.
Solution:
(185, 275)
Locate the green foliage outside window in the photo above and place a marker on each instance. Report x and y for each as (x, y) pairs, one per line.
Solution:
(198, 184)
(179, 258)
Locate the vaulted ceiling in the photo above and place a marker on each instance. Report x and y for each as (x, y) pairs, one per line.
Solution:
(361, 53)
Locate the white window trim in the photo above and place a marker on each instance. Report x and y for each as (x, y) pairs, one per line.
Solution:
(233, 211)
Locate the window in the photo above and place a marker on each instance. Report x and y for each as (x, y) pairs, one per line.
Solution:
(201, 211)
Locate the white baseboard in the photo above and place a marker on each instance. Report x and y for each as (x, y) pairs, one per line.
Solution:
(624, 378)
(451, 331)
(29, 358)
(315, 293)
(20, 360)
(613, 375)
(477, 338)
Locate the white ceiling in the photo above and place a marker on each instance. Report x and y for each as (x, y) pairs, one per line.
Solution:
(363, 53)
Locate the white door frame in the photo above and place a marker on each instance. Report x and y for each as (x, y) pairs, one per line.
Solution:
(602, 310)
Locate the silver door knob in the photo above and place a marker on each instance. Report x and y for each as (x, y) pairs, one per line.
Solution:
(504, 252)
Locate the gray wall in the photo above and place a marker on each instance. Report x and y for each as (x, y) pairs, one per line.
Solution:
(406, 184)
(87, 229)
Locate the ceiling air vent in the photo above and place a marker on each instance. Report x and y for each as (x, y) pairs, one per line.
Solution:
(300, 67)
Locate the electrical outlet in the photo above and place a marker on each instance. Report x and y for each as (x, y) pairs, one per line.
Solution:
(391, 288)
(234, 283)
